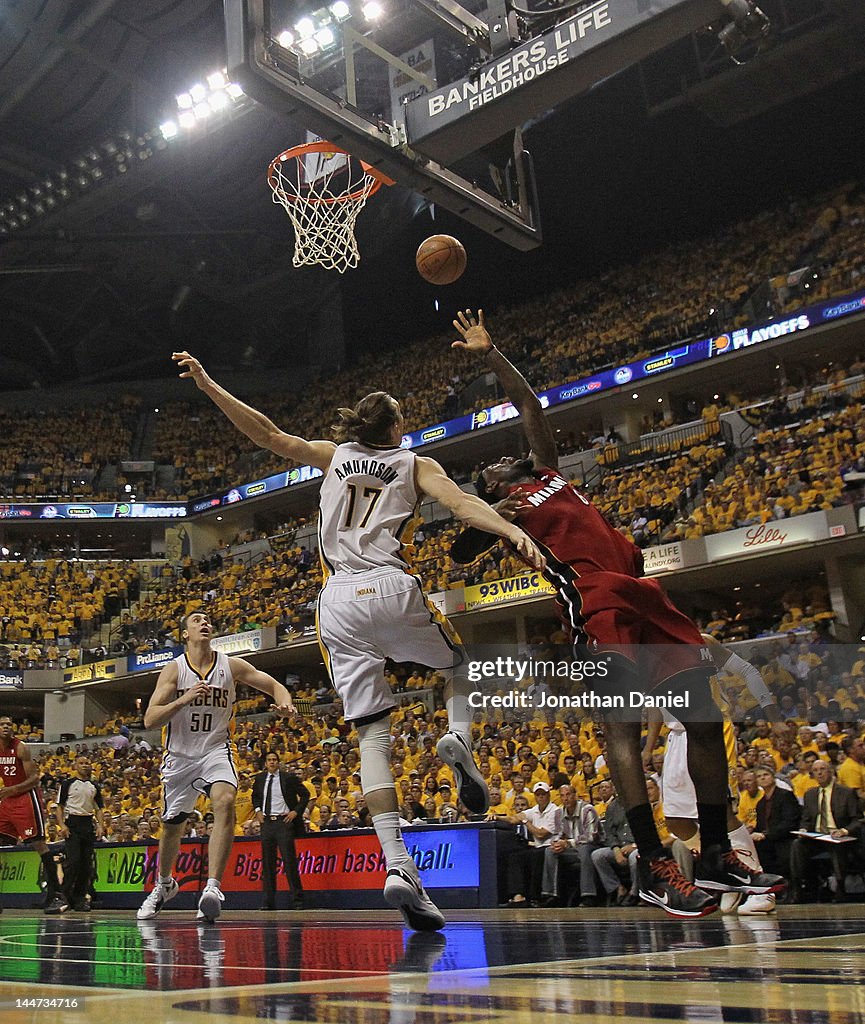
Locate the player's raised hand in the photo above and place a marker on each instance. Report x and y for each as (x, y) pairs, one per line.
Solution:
(528, 549)
(284, 710)
(476, 338)
(191, 367)
(510, 507)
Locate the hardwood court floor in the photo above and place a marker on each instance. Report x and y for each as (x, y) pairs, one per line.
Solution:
(803, 964)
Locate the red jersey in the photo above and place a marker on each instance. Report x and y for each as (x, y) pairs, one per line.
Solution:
(571, 530)
(11, 766)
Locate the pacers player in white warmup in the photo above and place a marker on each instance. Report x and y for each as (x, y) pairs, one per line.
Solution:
(194, 703)
(371, 608)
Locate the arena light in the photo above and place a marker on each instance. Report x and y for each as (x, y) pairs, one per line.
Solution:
(202, 111)
(305, 28)
(309, 46)
(285, 39)
(184, 101)
(217, 80)
(324, 37)
(234, 91)
(198, 93)
(340, 10)
(169, 129)
(372, 10)
(186, 119)
(218, 100)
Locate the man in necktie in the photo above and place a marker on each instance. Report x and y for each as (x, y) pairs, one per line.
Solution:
(831, 810)
(279, 799)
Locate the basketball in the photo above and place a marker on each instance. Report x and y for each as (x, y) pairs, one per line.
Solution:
(441, 259)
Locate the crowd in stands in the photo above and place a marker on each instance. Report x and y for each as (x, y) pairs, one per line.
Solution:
(49, 609)
(623, 313)
(60, 455)
(820, 693)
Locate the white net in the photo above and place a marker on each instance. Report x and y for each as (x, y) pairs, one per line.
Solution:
(323, 192)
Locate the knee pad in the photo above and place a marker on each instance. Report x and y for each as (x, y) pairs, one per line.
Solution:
(375, 752)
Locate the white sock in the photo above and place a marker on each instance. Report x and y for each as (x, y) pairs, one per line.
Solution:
(742, 843)
(165, 880)
(213, 882)
(459, 717)
(387, 829)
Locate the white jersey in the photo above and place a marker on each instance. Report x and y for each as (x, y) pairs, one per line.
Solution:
(208, 723)
(367, 505)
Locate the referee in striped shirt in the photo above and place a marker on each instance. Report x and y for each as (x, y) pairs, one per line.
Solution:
(79, 799)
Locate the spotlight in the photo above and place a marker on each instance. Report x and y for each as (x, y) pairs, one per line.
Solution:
(184, 101)
(217, 100)
(234, 91)
(309, 46)
(217, 80)
(285, 39)
(202, 111)
(198, 93)
(169, 129)
(305, 28)
(372, 10)
(186, 119)
(324, 37)
(340, 10)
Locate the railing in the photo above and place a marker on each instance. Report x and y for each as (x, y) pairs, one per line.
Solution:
(667, 443)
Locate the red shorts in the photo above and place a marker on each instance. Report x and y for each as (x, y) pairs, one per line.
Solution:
(23, 817)
(636, 618)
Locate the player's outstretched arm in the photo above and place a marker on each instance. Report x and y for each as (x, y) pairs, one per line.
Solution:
(248, 674)
(257, 427)
(729, 660)
(433, 480)
(477, 341)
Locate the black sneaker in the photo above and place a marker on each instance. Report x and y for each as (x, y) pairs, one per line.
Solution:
(82, 906)
(722, 871)
(663, 885)
(471, 787)
(57, 906)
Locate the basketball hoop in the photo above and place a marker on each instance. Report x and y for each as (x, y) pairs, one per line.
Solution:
(323, 189)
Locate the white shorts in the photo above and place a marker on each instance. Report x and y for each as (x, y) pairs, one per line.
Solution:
(367, 617)
(678, 796)
(184, 779)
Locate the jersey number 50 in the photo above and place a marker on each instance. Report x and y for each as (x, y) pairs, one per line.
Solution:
(200, 723)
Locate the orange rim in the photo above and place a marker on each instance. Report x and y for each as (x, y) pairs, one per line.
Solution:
(297, 152)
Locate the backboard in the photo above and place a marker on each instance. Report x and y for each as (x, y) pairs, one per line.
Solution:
(435, 94)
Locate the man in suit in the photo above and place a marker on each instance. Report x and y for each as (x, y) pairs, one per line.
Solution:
(279, 799)
(832, 809)
(778, 813)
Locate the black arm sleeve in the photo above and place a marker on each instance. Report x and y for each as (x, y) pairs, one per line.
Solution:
(470, 544)
(63, 795)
